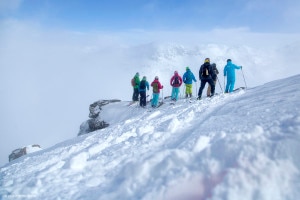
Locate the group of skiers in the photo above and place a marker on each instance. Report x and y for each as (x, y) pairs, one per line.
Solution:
(208, 73)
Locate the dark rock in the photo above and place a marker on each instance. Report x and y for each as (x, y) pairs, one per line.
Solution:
(17, 153)
(95, 123)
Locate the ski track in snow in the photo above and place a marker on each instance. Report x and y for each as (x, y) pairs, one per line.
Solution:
(243, 144)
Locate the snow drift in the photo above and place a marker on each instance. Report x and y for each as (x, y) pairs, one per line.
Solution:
(235, 146)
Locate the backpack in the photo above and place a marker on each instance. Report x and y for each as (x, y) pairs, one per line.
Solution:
(133, 82)
(143, 85)
(155, 87)
(215, 72)
(176, 81)
(205, 70)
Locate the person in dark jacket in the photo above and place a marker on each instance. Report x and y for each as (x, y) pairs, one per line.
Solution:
(205, 76)
(144, 85)
(214, 77)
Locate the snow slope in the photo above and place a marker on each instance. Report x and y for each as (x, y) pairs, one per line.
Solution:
(234, 146)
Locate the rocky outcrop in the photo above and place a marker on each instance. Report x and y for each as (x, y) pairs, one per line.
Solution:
(95, 122)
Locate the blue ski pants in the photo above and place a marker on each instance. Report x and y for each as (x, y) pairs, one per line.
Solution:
(155, 99)
(175, 93)
(230, 85)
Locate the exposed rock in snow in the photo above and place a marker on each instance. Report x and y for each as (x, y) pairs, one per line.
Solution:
(95, 123)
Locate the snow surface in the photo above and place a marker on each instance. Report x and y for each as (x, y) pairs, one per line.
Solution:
(243, 145)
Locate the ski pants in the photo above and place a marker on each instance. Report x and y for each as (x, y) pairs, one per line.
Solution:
(210, 82)
(155, 99)
(175, 93)
(135, 96)
(188, 89)
(229, 85)
(143, 98)
(208, 93)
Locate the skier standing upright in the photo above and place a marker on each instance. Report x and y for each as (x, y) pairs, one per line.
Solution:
(205, 75)
(156, 85)
(229, 71)
(135, 84)
(188, 78)
(175, 82)
(144, 85)
(214, 77)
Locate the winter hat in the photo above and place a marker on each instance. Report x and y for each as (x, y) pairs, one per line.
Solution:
(187, 68)
(228, 60)
(206, 60)
(144, 77)
(156, 77)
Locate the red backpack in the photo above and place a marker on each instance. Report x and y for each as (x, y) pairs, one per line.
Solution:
(133, 82)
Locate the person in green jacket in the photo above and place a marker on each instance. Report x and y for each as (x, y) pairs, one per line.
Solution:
(135, 85)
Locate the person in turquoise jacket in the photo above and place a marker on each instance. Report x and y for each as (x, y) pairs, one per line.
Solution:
(229, 71)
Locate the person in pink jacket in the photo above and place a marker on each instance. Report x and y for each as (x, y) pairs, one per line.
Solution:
(175, 82)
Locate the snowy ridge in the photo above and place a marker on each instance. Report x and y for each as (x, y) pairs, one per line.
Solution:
(244, 144)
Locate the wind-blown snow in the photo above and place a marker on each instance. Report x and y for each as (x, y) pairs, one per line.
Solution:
(236, 146)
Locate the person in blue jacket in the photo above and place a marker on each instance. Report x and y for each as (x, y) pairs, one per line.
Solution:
(229, 71)
(188, 78)
(142, 89)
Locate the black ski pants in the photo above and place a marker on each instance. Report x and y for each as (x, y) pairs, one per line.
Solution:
(135, 96)
(143, 98)
(210, 82)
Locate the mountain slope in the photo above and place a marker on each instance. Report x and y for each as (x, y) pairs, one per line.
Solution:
(236, 145)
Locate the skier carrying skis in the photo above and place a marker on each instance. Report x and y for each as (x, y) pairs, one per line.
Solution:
(214, 77)
(229, 71)
(142, 89)
(205, 75)
(175, 82)
(188, 78)
(156, 90)
(135, 82)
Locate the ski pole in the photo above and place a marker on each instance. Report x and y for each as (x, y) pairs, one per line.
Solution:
(196, 89)
(244, 77)
(224, 84)
(220, 84)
